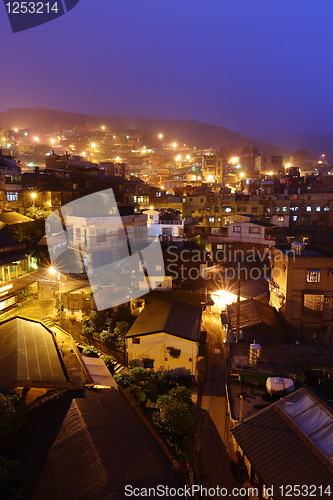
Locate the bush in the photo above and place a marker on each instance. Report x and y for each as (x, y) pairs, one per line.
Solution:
(90, 351)
(8, 490)
(106, 336)
(108, 360)
(13, 412)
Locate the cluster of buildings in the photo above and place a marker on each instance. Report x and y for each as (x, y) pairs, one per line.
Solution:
(243, 236)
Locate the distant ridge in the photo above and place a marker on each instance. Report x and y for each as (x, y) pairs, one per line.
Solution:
(191, 132)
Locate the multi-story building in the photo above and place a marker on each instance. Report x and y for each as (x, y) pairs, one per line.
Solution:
(165, 224)
(301, 288)
(212, 168)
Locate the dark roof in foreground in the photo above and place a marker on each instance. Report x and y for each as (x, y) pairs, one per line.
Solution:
(29, 356)
(6, 240)
(87, 446)
(290, 442)
(172, 317)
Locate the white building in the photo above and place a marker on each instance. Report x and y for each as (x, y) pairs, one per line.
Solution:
(165, 338)
(165, 224)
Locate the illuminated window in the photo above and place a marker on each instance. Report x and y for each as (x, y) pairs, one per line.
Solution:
(313, 302)
(308, 208)
(313, 276)
(237, 229)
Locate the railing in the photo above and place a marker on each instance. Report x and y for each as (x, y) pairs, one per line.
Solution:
(168, 222)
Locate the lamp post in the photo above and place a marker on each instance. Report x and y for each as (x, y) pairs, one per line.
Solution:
(53, 270)
(33, 196)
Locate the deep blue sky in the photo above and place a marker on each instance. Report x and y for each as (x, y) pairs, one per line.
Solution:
(259, 67)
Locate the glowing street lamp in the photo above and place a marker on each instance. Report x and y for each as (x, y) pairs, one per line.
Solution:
(33, 196)
(36, 139)
(174, 145)
(242, 174)
(160, 136)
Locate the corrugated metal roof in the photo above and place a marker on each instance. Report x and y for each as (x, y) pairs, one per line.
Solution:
(172, 317)
(279, 451)
(28, 356)
(253, 312)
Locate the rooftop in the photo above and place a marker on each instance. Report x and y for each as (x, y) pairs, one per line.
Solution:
(173, 317)
(87, 445)
(299, 430)
(29, 356)
(253, 312)
(308, 251)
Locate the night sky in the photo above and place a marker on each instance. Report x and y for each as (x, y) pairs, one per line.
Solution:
(259, 67)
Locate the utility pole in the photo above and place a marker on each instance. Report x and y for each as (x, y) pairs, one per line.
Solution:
(240, 274)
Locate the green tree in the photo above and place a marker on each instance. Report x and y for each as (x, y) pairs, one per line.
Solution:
(120, 332)
(8, 490)
(37, 213)
(174, 418)
(13, 412)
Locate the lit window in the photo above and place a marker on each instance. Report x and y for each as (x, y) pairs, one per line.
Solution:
(280, 218)
(318, 209)
(313, 276)
(237, 229)
(294, 218)
(308, 208)
(254, 230)
(277, 209)
(228, 209)
(326, 209)
(313, 302)
(211, 219)
(284, 209)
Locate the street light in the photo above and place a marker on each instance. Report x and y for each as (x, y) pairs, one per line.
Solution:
(53, 270)
(33, 196)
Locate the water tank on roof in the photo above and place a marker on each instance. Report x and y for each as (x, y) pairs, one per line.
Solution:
(255, 351)
(279, 384)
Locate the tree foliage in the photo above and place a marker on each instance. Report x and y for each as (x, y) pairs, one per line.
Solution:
(8, 489)
(13, 412)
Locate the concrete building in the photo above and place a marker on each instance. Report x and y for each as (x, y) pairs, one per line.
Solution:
(165, 338)
(301, 288)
